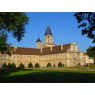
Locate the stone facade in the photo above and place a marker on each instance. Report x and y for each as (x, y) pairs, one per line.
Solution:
(68, 54)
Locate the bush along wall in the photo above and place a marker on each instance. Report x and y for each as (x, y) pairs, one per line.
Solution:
(4, 65)
(37, 65)
(49, 65)
(21, 66)
(60, 64)
(30, 65)
(9, 65)
(13, 66)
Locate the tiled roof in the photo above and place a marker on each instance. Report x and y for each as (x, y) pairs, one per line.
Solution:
(84, 54)
(47, 50)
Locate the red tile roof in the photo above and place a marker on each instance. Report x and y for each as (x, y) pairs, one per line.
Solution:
(84, 54)
(34, 51)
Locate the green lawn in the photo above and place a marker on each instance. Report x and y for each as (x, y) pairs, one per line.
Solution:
(46, 76)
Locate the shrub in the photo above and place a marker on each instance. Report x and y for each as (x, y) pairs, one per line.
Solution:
(54, 65)
(87, 65)
(30, 65)
(63, 65)
(60, 64)
(49, 65)
(4, 65)
(13, 66)
(37, 65)
(9, 65)
(21, 65)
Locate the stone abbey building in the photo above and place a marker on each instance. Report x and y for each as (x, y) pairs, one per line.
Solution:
(68, 54)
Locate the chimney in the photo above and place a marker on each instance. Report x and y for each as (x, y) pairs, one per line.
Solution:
(51, 48)
(61, 46)
(15, 47)
(41, 49)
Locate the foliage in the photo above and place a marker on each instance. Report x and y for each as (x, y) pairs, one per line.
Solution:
(90, 28)
(54, 65)
(21, 65)
(60, 64)
(30, 65)
(37, 65)
(13, 66)
(87, 65)
(4, 65)
(4, 47)
(49, 65)
(91, 52)
(12, 22)
(63, 65)
(9, 65)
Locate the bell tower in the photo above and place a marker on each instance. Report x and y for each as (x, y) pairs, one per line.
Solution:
(38, 43)
(48, 37)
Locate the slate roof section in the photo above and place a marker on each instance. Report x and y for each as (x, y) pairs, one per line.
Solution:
(38, 40)
(48, 31)
(47, 50)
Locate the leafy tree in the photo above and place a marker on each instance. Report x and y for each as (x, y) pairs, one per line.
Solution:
(60, 64)
(30, 65)
(12, 22)
(37, 65)
(54, 65)
(4, 47)
(91, 53)
(13, 66)
(89, 27)
(4, 65)
(63, 65)
(21, 65)
(9, 65)
(49, 65)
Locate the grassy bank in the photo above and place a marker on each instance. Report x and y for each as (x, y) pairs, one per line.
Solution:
(46, 76)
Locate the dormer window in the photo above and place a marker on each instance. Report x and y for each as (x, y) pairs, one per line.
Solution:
(48, 36)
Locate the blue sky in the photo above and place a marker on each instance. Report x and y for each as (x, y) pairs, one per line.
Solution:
(63, 25)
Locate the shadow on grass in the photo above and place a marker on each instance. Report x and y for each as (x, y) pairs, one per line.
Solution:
(43, 76)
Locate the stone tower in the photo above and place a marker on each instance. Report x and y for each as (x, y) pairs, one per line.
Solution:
(48, 37)
(38, 43)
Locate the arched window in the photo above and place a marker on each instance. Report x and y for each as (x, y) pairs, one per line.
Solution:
(1, 56)
(25, 57)
(31, 58)
(64, 56)
(28, 57)
(61, 55)
(58, 56)
(14, 57)
(18, 64)
(47, 57)
(21, 57)
(25, 64)
(10, 57)
(18, 57)
(55, 56)
(5, 57)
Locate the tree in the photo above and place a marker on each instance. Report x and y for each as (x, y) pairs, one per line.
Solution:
(60, 64)
(91, 53)
(21, 65)
(12, 22)
(90, 28)
(4, 47)
(37, 65)
(4, 65)
(13, 66)
(30, 65)
(9, 65)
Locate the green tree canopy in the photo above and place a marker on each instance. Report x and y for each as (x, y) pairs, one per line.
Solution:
(89, 26)
(91, 52)
(12, 22)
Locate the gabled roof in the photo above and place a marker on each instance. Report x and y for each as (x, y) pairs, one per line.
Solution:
(47, 50)
(48, 31)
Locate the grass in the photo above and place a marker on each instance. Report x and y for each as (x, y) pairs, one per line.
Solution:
(46, 76)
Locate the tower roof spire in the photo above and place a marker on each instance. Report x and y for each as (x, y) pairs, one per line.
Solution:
(38, 39)
(48, 31)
